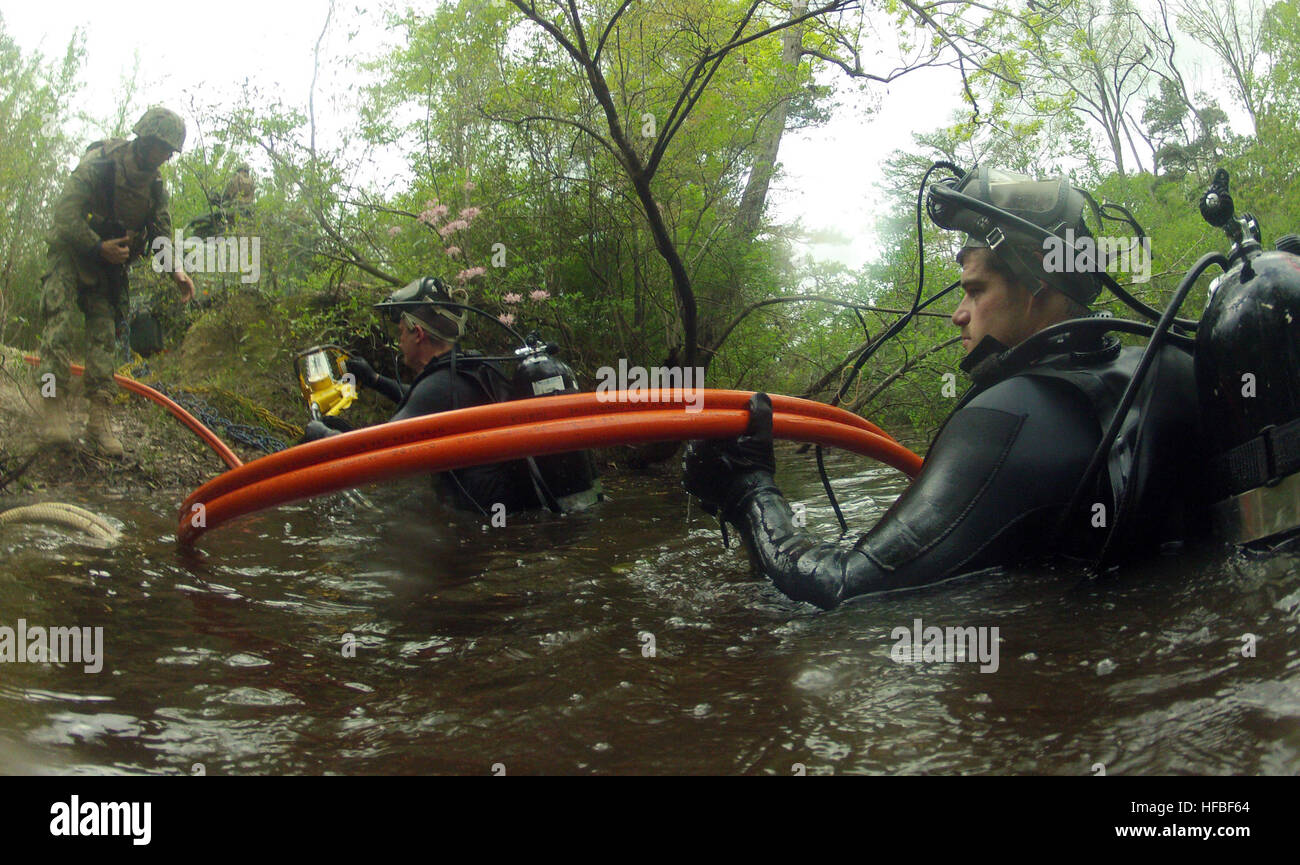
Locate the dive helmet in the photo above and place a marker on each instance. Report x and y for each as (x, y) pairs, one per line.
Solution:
(163, 124)
(1052, 206)
(425, 298)
(1248, 381)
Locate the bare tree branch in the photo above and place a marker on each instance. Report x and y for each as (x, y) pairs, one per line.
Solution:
(813, 298)
(900, 372)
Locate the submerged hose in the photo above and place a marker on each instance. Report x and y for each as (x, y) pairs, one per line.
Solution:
(66, 515)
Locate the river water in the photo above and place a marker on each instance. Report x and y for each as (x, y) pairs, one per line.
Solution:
(316, 638)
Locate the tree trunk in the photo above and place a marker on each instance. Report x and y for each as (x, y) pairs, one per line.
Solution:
(750, 213)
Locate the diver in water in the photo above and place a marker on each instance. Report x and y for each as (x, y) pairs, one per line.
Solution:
(446, 377)
(1000, 474)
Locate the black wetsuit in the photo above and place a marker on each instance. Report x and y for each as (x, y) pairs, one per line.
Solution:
(997, 477)
(436, 389)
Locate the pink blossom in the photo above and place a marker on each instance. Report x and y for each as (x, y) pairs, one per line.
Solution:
(394, 231)
(452, 227)
(469, 186)
(453, 251)
(469, 213)
(506, 318)
(472, 273)
(431, 204)
(511, 297)
(539, 294)
(431, 215)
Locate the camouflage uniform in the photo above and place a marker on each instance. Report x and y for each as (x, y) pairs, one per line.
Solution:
(240, 190)
(78, 277)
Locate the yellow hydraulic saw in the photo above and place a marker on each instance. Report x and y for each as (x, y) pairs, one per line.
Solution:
(324, 380)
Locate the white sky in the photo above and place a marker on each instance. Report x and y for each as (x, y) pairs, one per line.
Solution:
(830, 173)
(204, 51)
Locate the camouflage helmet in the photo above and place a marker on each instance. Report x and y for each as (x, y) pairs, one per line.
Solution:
(163, 124)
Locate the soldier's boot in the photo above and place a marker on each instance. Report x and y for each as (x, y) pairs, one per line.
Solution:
(99, 434)
(54, 431)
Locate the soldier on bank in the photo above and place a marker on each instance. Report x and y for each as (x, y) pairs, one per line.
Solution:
(111, 208)
(240, 191)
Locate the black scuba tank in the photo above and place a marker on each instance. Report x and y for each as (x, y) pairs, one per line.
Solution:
(540, 374)
(1248, 384)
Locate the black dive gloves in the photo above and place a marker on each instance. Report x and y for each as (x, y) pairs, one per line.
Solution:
(367, 378)
(725, 473)
(313, 431)
(363, 371)
(326, 426)
(329, 425)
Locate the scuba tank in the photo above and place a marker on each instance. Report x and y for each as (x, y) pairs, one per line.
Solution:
(570, 478)
(1248, 380)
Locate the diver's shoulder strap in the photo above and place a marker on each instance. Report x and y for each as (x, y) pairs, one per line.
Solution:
(1102, 383)
(1262, 461)
(490, 378)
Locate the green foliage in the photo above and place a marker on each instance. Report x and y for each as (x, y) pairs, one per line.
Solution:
(35, 105)
(481, 152)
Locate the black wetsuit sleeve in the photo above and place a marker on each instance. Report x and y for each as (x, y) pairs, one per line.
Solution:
(389, 389)
(992, 484)
(433, 393)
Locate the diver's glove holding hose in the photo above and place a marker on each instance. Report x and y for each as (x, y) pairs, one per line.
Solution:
(724, 474)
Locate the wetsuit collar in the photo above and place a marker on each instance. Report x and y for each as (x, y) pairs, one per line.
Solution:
(991, 361)
(984, 363)
(434, 364)
(430, 368)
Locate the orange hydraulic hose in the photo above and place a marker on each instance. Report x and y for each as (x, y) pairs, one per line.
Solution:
(196, 426)
(463, 449)
(524, 411)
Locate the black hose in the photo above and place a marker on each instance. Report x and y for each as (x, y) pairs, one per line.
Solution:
(1130, 393)
(1033, 346)
(830, 493)
(891, 332)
